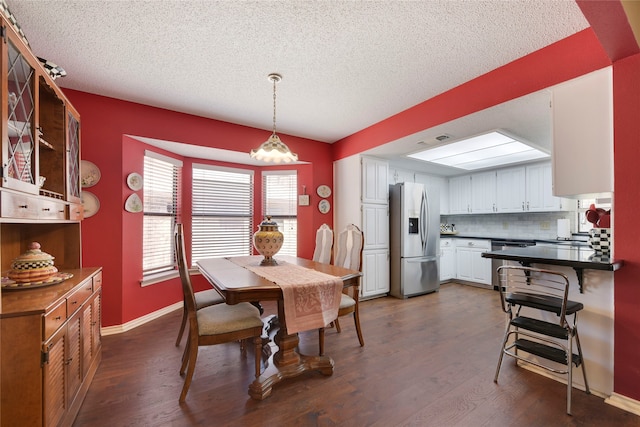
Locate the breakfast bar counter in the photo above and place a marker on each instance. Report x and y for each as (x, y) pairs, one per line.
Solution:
(577, 257)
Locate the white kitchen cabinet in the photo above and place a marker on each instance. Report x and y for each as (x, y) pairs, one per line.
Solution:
(439, 183)
(375, 273)
(511, 189)
(375, 226)
(460, 194)
(539, 191)
(527, 189)
(397, 176)
(582, 121)
(352, 177)
(447, 260)
(470, 265)
(375, 181)
(483, 192)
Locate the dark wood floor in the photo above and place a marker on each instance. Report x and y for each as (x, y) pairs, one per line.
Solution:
(428, 361)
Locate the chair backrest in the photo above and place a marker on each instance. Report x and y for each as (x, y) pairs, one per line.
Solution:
(350, 244)
(324, 244)
(536, 288)
(185, 278)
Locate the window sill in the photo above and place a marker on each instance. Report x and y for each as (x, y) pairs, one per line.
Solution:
(152, 279)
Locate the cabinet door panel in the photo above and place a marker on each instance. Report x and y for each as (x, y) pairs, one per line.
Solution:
(511, 191)
(74, 356)
(375, 225)
(55, 392)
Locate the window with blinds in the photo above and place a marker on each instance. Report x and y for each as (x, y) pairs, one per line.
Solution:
(160, 207)
(280, 202)
(222, 212)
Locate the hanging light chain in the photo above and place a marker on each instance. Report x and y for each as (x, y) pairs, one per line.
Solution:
(275, 78)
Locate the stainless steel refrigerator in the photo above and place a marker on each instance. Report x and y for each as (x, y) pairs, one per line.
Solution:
(414, 231)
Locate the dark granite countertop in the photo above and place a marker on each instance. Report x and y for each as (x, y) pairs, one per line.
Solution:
(569, 256)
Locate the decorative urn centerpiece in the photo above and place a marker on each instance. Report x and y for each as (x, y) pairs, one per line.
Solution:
(268, 241)
(32, 266)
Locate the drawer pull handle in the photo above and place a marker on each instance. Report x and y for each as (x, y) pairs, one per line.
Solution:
(58, 318)
(46, 209)
(23, 206)
(68, 361)
(74, 302)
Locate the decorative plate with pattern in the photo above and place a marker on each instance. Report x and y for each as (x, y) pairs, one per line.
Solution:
(324, 206)
(11, 285)
(324, 191)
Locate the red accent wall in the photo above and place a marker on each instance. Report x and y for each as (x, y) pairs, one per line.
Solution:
(112, 237)
(626, 113)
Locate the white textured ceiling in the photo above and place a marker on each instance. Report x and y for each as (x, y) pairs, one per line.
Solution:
(345, 64)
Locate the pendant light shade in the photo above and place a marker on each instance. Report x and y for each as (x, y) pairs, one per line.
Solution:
(273, 149)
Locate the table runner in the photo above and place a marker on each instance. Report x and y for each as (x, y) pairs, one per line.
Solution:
(311, 298)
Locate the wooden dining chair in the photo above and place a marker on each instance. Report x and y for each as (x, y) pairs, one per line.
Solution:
(203, 299)
(216, 324)
(350, 244)
(324, 245)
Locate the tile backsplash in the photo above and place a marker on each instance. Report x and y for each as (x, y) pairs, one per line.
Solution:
(530, 225)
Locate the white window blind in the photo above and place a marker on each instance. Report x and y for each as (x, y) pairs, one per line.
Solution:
(160, 206)
(280, 202)
(222, 212)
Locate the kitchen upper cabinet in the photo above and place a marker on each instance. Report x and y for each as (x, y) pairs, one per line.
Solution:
(460, 194)
(475, 193)
(539, 191)
(375, 183)
(582, 117)
(511, 189)
(397, 176)
(375, 226)
(483, 192)
(527, 189)
(439, 183)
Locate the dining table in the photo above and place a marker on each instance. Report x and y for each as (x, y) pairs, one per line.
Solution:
(240, 279)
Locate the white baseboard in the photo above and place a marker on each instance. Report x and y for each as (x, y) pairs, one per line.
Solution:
(624, 403)
(118, 329)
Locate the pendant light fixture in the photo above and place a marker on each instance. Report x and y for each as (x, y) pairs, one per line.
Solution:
(273, 149)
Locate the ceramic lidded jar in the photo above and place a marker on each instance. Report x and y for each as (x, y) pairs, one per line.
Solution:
(32, 266)
(268, 241)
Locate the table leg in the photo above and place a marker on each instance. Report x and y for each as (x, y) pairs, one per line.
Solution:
(287, 362)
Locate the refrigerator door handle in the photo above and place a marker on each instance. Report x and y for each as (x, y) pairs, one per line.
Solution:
(420, 260)
(424, 221)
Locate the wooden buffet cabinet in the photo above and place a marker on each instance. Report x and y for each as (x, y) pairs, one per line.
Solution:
(50, 344)
(51, 348)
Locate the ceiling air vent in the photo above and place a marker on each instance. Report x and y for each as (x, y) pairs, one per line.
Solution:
(443, 137)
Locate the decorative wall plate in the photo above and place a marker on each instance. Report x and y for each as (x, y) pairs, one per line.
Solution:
(133, 204)
(134, 181)
(89, 174)
(323, 191)
(90, 203)
(324, 206)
